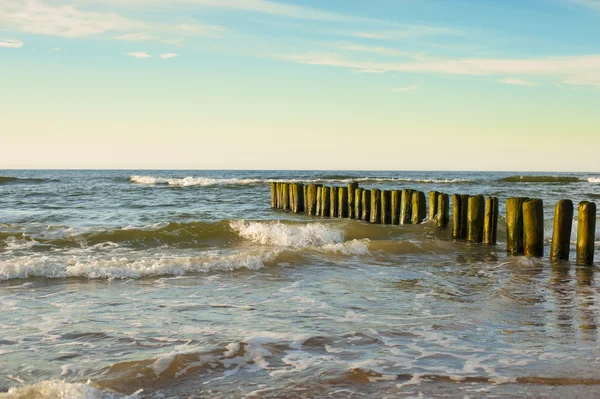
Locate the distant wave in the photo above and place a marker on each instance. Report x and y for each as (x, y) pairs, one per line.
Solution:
(17, 180)
(208, 181)
(594, 179)
(545, 179)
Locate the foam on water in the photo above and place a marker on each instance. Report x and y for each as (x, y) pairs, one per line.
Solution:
(60, 389)
(192, 181)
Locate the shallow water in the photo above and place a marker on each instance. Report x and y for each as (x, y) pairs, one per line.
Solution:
(156, 284)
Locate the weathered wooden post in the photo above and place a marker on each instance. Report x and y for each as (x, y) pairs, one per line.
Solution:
(460, 205)
(386, 210)
(475, 216)
(312, 199)
(366, 205)
(561, 234)
(443, 212)
(514, 226)
(286, 196)
(319, 200)
(351, 188)
(375, 206)
(325, 201)
(358, 203)
(395, 196)
(490, 225)
(300, 198)
(293, 196)
(343, 202)
(305, 197)
(273, 195)
(333, 202)
(533, 228)
(433, 204)
(419, 207)
(586, 233)
(406, 207)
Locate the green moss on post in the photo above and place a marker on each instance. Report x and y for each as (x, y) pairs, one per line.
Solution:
(333, 202)
(319, 198)
(358, 203)
(293, 196)
(365, 204)
(586, 232)
(561, 235)
(433, 204)
(490, 225)
(325, 201)
(375, 206)
(475, 216)
(395, 196)
(273, 195)
(386, 209)
(514, 226)
(443, 212)
(459, 216)
(533, 228)
(351, 188)
(406, 207)
(419, 207)
(311, 199)
(305, 195)
(343, 202)
(286, 196)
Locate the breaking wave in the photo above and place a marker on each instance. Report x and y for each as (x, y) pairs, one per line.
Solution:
(61, 389)
(545, 179)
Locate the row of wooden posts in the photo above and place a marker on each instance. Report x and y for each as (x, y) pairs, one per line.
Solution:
(474, 218)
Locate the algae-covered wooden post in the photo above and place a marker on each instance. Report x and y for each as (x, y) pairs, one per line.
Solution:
(273, 195)
(443, 212)
(490, 225)
(395, 196)
(433, 199)
(419, 207)
(286, 196)
(305, 195)
(459, 216)
(386, 210)
(561, 235)
(293, 195)
(533, 228)
(343, 202)
(333, 202)
(375, 206)
(351, 189)
(406, 207)
(475, 216)
(319, 200)
(311, 201)
(300, 198)
(586, 232)
(365, 203)
(325, 201)
(358, 203)
(514, 226)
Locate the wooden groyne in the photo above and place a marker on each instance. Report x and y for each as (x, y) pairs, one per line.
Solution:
(474, 217)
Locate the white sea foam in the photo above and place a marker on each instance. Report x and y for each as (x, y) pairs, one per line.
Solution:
(94, 267)
(192, 181)
(297, 236)
(594, 179)
(61, 389)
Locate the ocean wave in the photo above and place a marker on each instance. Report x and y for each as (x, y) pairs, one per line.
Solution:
(19, 180)
(208, 181)
(593, 179)
(61, 389)
(543, 179)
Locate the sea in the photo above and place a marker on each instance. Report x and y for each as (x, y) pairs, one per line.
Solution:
(186, 284)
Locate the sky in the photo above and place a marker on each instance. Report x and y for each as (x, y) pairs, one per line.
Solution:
(509, 85)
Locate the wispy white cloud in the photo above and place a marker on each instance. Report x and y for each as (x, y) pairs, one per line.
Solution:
(139, 54)
(174, 42)
(11, 44)
(201, 29)
(135, 37)
(407, 32)
(375, 50)
(518, 82)
(580, 69)
(166, 56)
(594, 4)
(406, 88)
(54, 50)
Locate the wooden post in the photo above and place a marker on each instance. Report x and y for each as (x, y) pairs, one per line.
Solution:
(273, 195)
(386, 210)
(293, 196)
(419, 207)
(586, 232)
(375, 206)
(286, 196)
(433, 205)
(343, 202)
(312, 199)
(490, 225)
(325, 201)
(514, 226)
(358, 203)
(319, 200)
(333, 202)
(460, 206)
(561, 235)
(300, 197)
(443, 212)
(395, 206)
(351, 188)
(406, 207)
(305, 197)
(533, 228)
(475, 216)
(366, 205)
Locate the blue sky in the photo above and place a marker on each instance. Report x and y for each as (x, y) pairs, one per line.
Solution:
(381, 84)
